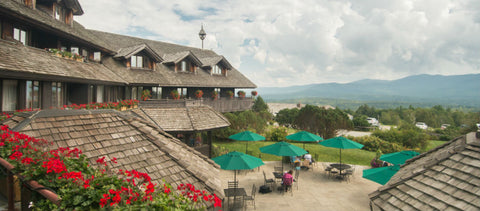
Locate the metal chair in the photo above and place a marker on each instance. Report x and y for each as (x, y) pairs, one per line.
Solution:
(297, 173)
(278, 169)
(233, 184)
(268, 181)
(251, 197)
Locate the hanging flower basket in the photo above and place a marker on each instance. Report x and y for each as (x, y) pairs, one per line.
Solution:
(230, 94)
(175, 95)
(146, 94)
(241, 94)
(254, 93)
(214, 95)
(198, 94)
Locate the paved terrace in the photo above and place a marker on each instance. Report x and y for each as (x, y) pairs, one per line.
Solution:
(315, 190)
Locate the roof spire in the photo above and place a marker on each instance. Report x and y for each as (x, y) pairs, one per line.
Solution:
(202, 35)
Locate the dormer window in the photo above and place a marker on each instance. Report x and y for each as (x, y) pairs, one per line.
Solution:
(136, 61)
(20, 35)
(58, 12)
(183, 66)
(216, 70)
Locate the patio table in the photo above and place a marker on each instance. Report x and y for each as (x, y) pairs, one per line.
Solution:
(340, 167)
(234, 192)
(278, 176)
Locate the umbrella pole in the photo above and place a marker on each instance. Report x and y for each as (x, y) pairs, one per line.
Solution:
(303, 145)
(246, 148)
(340, 161)
(234, 188)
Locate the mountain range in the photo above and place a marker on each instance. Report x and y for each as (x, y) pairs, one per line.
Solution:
(453, 90)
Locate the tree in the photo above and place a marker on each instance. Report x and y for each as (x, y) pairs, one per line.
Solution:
(259, 105)
(322, 121)
(287, 116)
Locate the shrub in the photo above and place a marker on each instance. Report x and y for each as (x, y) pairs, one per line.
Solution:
(277, 134)
(373, 144)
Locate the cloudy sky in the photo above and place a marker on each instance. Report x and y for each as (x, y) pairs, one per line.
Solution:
(285, 42)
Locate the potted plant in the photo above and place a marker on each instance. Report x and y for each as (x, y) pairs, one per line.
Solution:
(230, 94)
(254, 93)
(241, 94)
(78, 57)
(198, 94)
(214, 95)
(174, 94)
(146, 94)
(67, 54)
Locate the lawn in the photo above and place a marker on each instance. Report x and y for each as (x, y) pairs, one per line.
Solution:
(433, 143)
(325, 154)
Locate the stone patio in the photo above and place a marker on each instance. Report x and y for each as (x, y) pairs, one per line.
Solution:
(316, 191)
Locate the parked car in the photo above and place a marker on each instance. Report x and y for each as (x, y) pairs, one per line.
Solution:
(421, 125)
(372, 121)
(444, 126)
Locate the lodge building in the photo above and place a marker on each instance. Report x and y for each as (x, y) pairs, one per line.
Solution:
(48, 60)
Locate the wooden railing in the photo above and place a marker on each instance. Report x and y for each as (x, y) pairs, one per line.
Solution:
(221, 105)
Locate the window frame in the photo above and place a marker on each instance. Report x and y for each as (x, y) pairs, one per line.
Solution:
(17, 35)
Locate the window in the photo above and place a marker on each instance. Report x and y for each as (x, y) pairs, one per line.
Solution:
(9, 95)
(218, 92)
(58, 12)
(182, 92)
(57, 95)
(97, 56)
(183, 66)
(75, 50)
(33, 94)
(216, 70)
(100, 89)
(20, 35)
(156, 92)
(136, 61)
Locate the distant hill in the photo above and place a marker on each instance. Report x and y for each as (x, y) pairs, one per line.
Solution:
(417, 90)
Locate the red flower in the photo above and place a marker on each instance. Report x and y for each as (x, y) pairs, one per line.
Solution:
(114, 159)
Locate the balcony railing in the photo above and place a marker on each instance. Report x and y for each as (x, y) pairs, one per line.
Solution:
(221, 105)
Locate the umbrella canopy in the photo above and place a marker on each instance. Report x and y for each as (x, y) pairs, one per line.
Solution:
(283, 149)
(380, 175)
(341, 143)
(237, 161)
(304, 136)
(246, 136)
(398, 158)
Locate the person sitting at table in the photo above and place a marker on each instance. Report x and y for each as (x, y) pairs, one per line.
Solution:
(287, 180)
(308, 157)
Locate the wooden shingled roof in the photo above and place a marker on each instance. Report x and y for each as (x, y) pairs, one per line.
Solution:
(167, 76)
(39, 64)
(184, 119)
(445, 178)
(135, 143)
(45, 21)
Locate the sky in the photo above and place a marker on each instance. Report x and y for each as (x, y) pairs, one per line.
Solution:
(278, 43)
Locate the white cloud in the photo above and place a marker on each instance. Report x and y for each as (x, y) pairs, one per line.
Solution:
(283, 42)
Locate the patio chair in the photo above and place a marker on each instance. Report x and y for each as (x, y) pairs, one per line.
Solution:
(297, 173)
(327, 168)
(233, 184)
(251, 197)
(268, 181)
(306, 164)
(278, 169)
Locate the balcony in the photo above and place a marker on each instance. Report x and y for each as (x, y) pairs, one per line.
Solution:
(221, 105)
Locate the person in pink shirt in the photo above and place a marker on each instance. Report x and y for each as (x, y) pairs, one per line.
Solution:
(287, 180)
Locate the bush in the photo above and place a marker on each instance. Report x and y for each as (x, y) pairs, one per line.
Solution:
(374, 144)
(277, 134)
(408, 138)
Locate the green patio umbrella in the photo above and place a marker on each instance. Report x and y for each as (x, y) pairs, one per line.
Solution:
(398, 158)
(246, 136)
(304, 136)
(341, 143)
(237, 161)
(381, 175)
(283, 149)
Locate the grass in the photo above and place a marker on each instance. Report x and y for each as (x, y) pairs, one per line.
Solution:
(325, 154)
(433, 143)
